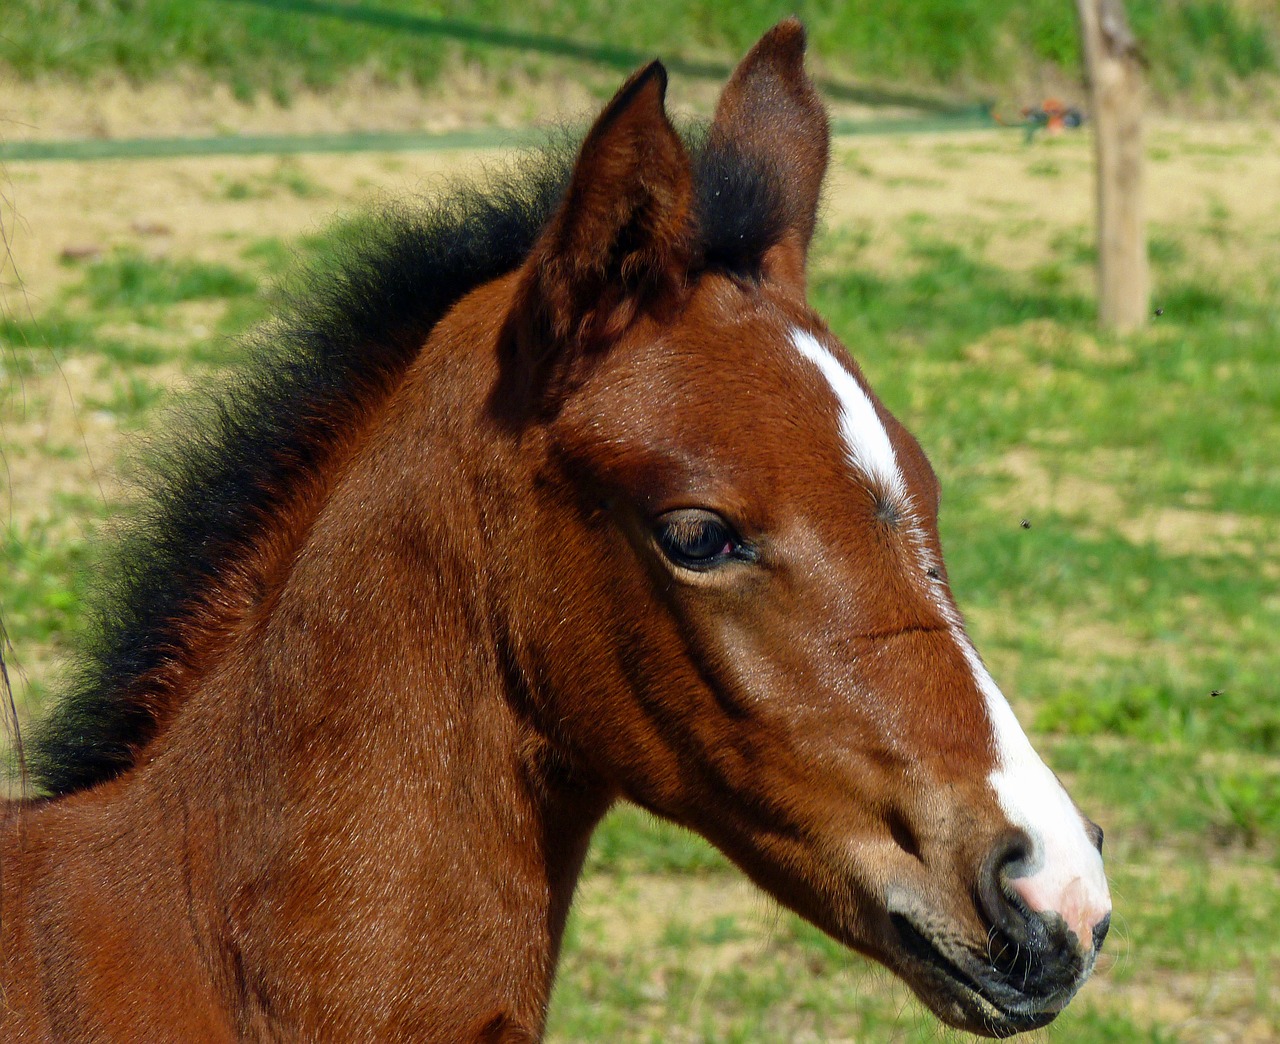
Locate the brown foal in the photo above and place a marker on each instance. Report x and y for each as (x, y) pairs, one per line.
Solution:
(560, 494)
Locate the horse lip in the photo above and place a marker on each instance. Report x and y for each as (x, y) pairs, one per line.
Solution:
(986, 1013)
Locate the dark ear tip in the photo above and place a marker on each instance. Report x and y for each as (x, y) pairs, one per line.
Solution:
(788, 37)
(653, 73)
(643, 96)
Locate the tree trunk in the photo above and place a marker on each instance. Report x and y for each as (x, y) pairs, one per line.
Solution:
(1113, 67)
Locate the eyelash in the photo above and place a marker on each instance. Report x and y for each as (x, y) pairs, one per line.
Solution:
(700, 540)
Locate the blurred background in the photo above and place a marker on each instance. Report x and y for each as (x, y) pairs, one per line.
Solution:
(1111, 500)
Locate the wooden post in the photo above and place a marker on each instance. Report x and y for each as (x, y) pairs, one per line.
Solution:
(1113, 68)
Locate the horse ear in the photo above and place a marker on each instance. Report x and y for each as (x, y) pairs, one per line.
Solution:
(621, 239)
(770, 115)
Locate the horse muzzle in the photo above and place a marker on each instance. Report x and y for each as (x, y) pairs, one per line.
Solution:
(1020, 979)
(1028, 964)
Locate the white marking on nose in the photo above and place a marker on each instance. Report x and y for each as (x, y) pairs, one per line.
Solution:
(1066, 875)
(1066, 869)
(866, 442)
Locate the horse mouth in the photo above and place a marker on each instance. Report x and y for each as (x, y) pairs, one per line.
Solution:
(967, 995)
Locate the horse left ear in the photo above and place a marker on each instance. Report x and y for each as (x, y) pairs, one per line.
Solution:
(770, 114)
(620, 242)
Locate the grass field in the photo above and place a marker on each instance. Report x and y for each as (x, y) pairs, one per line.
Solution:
(1196, 49)
(959, 271)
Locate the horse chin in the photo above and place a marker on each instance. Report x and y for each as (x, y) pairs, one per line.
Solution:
(963, 991)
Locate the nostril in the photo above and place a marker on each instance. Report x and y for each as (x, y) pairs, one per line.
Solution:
(1100, 933)
(1094, 833)
(1006, 860)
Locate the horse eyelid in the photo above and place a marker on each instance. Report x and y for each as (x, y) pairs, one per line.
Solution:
(740, 551)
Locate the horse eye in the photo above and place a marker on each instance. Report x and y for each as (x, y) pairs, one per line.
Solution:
(697, 539)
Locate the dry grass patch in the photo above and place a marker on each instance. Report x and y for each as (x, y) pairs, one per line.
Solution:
(1041, 487)
(47, 212)
(1185, 531)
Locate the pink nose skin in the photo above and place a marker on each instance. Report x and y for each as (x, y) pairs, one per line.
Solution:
(1078, 903)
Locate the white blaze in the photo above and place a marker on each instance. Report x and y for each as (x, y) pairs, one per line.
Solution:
(1066, 869)
(866, 442)
(1066, 873)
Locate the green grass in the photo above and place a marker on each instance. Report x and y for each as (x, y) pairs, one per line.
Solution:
(46, 578)
(286, 178)
(1197, 46)
(124, 312)
(1164, 413)
(632, 841)
(136, 284)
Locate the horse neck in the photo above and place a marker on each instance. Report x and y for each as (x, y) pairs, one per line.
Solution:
(359, 778)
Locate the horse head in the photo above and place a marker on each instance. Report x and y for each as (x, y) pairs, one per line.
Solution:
(749, 627)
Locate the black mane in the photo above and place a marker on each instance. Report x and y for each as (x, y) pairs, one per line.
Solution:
(343, 340)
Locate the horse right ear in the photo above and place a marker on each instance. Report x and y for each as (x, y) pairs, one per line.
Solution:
(770, 114)
(619, 244)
